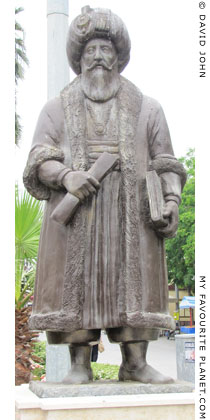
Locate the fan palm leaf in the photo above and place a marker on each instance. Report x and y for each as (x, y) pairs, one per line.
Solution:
(28, 219)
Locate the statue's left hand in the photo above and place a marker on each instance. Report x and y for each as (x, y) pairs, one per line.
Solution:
(171, 214)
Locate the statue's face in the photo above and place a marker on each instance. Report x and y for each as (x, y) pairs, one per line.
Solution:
(99, 54)
(100, 79)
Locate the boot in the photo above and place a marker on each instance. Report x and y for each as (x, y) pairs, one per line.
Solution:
(134, 366)
(80, 372)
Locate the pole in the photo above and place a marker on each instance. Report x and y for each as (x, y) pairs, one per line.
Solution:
(57, 62)
(57, 356)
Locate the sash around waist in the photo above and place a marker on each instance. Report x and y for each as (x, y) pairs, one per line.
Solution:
(97, 147)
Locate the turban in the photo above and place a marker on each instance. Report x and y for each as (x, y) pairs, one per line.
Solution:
(97, 23)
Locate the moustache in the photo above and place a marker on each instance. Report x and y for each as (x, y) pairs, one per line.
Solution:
(105, 66)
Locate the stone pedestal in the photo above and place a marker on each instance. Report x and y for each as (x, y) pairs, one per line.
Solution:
(167, 406)
(104, 388)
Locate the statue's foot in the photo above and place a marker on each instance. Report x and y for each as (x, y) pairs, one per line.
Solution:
(78, 374)
(147, 375)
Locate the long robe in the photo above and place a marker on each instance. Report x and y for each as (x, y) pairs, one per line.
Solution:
(136, 289)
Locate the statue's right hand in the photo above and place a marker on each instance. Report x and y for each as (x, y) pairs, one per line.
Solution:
(80, 183)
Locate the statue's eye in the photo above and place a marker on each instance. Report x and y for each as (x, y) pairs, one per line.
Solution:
(90, 50)
(106, 49)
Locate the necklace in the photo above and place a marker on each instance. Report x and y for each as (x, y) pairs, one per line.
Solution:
(100, 114)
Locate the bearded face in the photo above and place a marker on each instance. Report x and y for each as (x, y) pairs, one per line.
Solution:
(99, 65)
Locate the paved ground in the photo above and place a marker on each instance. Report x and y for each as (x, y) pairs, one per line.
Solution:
(161, 355)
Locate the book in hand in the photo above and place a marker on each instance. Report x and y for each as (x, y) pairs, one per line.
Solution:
(156, 199)
(69, 204)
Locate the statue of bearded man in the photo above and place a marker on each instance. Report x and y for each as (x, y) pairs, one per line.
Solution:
(106, 268)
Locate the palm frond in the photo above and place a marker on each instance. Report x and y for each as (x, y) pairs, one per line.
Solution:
(18, 10)
(19, 42)
(28, 219)
(20, 50)
(18, 129)
(19, 72)
(18, 27)
(21, 55)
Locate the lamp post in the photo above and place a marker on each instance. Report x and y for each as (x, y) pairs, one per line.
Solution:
(57, 356)
(57, 63)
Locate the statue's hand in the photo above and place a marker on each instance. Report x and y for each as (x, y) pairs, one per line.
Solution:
(171, 215)
(80, 183)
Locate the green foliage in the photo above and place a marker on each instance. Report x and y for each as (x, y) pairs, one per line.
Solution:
(28, 219)
(40, 350)
(180, 250)
(102, 371)
(20, 61)
(20, 50)
(39, 369)
(18, 128)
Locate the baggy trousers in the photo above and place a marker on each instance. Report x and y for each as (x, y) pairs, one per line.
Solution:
(115, 335)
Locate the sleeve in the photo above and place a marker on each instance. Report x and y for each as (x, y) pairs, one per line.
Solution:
(171, 171)
(44, 169)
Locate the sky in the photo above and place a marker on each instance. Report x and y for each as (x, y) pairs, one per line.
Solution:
(163, 63)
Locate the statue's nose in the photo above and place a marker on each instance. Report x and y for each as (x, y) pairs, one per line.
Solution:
(98, 56)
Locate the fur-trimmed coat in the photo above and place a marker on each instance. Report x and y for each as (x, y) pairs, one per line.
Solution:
(144, 144)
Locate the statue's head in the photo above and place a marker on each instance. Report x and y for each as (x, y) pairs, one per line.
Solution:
(94, 27)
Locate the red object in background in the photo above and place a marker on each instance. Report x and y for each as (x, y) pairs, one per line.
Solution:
(191, 318)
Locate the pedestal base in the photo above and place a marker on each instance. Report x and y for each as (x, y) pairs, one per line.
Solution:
(167, 406)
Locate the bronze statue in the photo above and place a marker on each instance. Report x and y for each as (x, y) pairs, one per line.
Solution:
(103, 267)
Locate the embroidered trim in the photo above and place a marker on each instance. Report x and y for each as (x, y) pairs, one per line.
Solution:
(129, 103)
